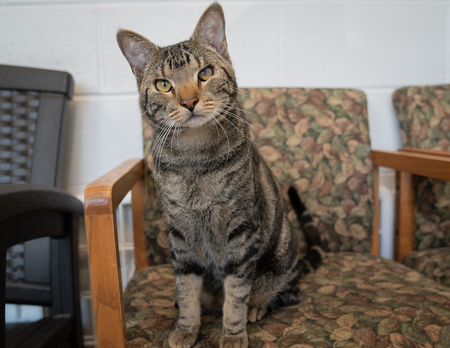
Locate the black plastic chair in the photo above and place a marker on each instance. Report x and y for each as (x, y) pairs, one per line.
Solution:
(33, 108)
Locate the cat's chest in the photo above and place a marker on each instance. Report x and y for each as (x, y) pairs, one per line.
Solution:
(195, 193)
(202, 209)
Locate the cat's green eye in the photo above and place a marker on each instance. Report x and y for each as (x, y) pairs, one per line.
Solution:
(205, 74)
(163, 85)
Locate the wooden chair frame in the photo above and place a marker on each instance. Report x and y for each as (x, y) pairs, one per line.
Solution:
(408, 162)
(104, 195)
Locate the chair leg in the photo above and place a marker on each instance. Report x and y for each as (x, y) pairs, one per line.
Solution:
(2, 285)
(405, 214)
(65, 278)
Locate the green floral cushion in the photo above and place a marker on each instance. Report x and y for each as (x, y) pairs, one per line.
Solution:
(424, 116)
(353, 300)
(316, 139)
(433, 263)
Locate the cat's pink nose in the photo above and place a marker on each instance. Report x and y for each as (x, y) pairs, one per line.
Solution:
(189, 103)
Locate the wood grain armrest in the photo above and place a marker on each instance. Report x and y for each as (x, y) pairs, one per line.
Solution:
(103, 195)
(426, 152)
(418, 163)
(101, 200)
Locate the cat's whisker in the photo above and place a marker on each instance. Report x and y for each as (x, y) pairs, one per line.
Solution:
(238, 108)
(150, 137)
(158, 143)
(243, 92)
(242, 119)
(224, 131)
(165, 138)
(173, 133)
(237, 89)
(210, 117)
(237, 128)
(166, 132)
(153, 138)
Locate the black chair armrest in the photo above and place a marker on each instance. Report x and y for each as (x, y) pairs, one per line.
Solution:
(32, 211)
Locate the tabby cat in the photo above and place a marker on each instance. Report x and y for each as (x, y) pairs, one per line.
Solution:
(229, 238)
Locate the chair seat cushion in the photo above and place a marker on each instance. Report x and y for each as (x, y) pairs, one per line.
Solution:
(352, 300)
(433, 263)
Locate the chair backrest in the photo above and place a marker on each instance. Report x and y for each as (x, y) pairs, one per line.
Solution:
(424, 116)
(32, 121)
(33, 108)
(315, 139)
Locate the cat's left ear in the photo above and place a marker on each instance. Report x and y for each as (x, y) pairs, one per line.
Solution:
(137, 50)
(210, 29)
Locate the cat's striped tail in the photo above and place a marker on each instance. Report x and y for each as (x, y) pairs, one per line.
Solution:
(315, 253)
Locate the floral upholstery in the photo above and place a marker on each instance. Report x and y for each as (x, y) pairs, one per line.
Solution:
(424, 116)
(434, 263)
(353, 300)
(316, 139)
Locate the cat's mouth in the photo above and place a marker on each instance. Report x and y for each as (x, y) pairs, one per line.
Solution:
(196, 120)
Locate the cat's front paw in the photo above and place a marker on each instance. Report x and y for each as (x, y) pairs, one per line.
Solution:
(234, 342)
(182, 339)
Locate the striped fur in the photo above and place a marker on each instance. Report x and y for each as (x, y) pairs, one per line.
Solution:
(229, 238)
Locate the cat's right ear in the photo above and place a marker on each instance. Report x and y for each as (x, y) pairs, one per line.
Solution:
(137, 50)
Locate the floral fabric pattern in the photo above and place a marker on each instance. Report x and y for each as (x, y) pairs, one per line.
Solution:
(318, 141)
(433, 263)
(353, 300)
(424, 116)
(315, 139)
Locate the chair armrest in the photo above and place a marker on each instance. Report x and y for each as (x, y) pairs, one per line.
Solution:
(408, 162)
(103, 195)
(424, 151)
(420, 163)
(101, 200)
(33, 211)
(24, 198)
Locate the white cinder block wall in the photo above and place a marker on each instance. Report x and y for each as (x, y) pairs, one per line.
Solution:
(373, 45)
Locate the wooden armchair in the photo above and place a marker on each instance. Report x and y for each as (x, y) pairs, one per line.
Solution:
(423, 114)
(354, 297)
(408, 162)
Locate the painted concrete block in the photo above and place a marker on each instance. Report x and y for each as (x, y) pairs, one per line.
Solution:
(254, 42)
(52, 37)
(363, 44)
(102, 132)
(383, 125)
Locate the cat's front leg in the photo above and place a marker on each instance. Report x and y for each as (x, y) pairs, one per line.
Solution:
(189, 287)
(237, 293)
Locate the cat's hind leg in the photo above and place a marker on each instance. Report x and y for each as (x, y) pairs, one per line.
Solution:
(257, 313)
(258, 306)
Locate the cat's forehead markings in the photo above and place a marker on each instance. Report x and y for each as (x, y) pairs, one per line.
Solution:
(177, 59)
(177, 56)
